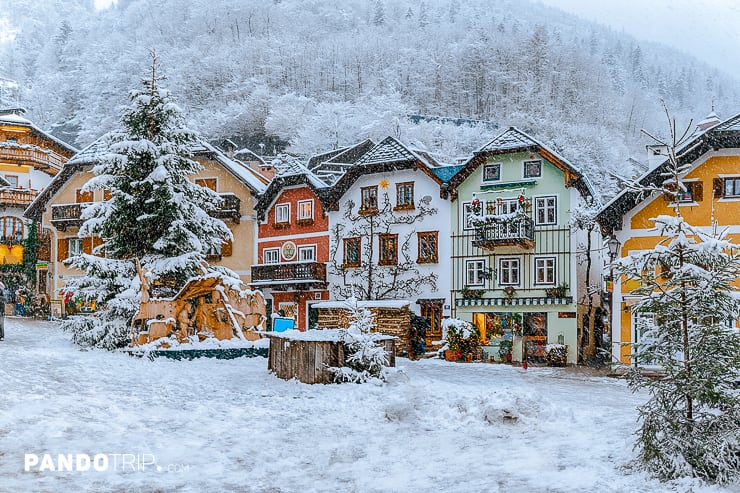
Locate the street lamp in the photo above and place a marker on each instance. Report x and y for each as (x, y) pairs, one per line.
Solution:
(613, 246)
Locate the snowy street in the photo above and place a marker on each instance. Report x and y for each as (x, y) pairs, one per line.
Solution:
(216, 425)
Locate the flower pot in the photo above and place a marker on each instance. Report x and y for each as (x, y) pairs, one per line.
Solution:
(469, 357)
(450, 355)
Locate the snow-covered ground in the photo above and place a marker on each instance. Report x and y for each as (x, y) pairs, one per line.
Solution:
(215, 425)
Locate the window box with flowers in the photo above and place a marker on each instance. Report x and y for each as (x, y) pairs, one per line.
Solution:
(509, 293)
(304, 222)
(472, 294)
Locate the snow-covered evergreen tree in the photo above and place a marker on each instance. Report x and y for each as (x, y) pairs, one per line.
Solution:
(154, 214)
(366, 358)
(690, 426)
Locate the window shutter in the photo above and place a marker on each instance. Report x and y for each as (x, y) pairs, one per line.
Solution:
(96, 242)
(698, 191)
(62, 249)
(83, 196)
(227, 249)
(107, 195)
(87, 245)
(718, 187)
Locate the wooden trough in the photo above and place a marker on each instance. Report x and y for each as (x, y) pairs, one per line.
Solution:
(305, 356)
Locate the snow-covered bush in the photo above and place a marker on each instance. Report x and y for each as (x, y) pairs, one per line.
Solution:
(366, 359)
(461, 336)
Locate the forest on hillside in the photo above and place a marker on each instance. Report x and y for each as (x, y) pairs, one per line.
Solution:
(304, 76)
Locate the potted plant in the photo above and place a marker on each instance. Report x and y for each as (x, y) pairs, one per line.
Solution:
(462, 339)
(509, 292)
(472, 294)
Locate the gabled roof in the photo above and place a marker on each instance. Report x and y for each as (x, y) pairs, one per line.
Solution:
(331, 169)
(13, 117)
(289, 174)
(723, 136)
(514, 140)
(388, 155)
(94, 152)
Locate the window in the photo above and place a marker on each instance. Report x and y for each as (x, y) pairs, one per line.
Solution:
(405, 195)
(307, 253)
(533, 169)
(492, 172)
(544, 270)
(467, 208)
(12, 179)
(107, 195)
(12, 228)
(369, 198)
(271, 255)
(545, 210)
(75, 247)
(508, 271)
(282, 213)
(474, 272)
(388, 249)
(428, 247)
(305, 210)
(209, 183)
(11, 140)
(732, 187)
(352, 252)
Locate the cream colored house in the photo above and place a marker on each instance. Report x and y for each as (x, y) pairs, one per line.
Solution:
(60, 205)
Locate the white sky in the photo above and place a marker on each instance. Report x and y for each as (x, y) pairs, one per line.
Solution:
(706, 29)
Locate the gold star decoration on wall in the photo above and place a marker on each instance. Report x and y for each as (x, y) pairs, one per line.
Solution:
(384, 183)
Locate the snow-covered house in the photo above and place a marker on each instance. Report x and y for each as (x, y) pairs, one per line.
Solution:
(515, 270)
(29, 159)
(60, 205)
(293, 235)
(711, 200)
(389, 228)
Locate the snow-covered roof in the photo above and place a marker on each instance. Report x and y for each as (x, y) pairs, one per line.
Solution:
(511, 138)
(240, 171)
(388, 151)
(330, 167)
(721, 136)
(286, 165)
(11, 117)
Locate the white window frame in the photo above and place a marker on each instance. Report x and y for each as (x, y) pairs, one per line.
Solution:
(271, 251)
(300, 209)
(479, 278)
(524, 168)
(282, 207)
(536, 268)
(465, 211)
(16, 178)
(501, 270)
(307, 248)
(500, 170)
(546, 207)
(74, 250)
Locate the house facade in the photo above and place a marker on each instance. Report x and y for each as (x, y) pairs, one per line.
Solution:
(711, 202)
(389, 227)
(292, 245)
(59, 207)
(29, 159)
(515, 270)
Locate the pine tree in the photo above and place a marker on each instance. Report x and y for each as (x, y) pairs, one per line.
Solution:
(366, 358)
(687, 304)
(155, 214)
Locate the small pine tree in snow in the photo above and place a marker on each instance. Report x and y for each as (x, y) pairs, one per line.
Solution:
(690, 426)
(155, 214)
(366, 359)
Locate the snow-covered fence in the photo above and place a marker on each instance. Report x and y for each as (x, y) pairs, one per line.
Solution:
(307, 356)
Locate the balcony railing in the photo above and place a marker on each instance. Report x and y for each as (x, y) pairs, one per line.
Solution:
(286, 274)
(517, 232)
(17, 197)
(230, 208)
(66, 215)
(31, 157)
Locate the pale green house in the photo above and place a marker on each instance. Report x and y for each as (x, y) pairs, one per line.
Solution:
(518, 268)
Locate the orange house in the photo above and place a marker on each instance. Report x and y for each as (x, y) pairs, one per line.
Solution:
(712, 197)
(292, 246)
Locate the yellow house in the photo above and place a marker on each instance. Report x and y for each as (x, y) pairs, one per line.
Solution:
(59, 208)
(712, 197)
(29, 160)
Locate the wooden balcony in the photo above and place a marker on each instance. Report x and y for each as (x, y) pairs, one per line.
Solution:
(29, 156)
(66, 215)
(230, 208)
(290, 276)
(16, 197)
(519, 232)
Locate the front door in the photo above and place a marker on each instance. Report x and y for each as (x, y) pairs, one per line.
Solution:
(433, 313)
